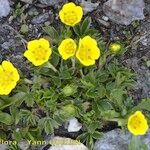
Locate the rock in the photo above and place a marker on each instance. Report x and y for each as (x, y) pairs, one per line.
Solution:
(49, 2)
(53, 3)
(124, 11)
(147, 7)
(4, 8)
(105, 18)
(3, 147)
(23, 145)
(117, 140)
(88, 6)
(27, 1)
(41, 18)
(103, 22)
(8, 44)
(59, 143)
(143, 78)
(74, 125)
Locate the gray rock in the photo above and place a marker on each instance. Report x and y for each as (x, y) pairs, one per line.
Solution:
(41, 18)
(27, 1)
(60, 143)
(143, 77)
(124, 11)
(118, 140)
(53, 3)
(23, 145)
(73, 125)
(4, 8)
(103, 22)
(3, 147)
(8, 44)
(88, 6)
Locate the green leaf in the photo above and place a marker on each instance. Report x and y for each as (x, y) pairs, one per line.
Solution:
(143, 105)
(96, 135)
(102, 76)
(82, 137)
(51, 31)
(24, 28)
(110, 114)
(48, 127)
(137, 144)
(3, 135)
(29, 99)
(8, 101)
(15, 114)
(85, 25)
(17, 135)
(116, 96)
(55, 59)
(76, 29)
(93, 126)
(98, 92)
(50, 66)
(103, 105)
(5, 118)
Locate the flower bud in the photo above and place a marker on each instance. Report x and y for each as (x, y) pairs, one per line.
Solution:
(69, 90)
(69, 110)
(115, 47)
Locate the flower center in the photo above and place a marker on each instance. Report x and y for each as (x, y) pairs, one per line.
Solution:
(40, 53)
(6, 79)
(85, 52)
(136, 122)
(70, 17)
(69, 48)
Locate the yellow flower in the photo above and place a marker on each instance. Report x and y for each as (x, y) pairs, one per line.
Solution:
(8, 77)
(115, 47)
(67, 48)
(88, 51)
(137, 123)
(38, 51)
(70, 14)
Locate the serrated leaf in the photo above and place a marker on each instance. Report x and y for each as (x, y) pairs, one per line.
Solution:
(17, 136)
(98, 92)
(48, 127)
(5, 118)
(51, 31)
(103, 105)
(116, 96)
(24, 28)
(8, 101)
(143, 105)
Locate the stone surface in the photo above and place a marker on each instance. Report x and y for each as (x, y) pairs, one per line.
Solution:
(137, 57)
(4, 8)
(74, 125)
(66, 144)
(27, 1)
(143, 78)
(53, 3)
(118, 140)
(3, 147)
(23, 145)
(124, 11)
(40, 18)
(88, 6)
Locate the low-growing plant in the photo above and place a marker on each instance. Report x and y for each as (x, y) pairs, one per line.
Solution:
(73, 74)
